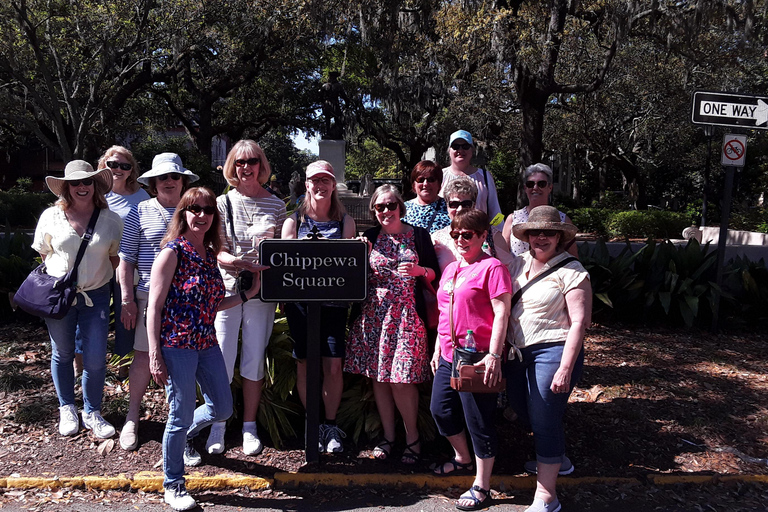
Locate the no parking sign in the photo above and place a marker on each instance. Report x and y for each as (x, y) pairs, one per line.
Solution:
(734, 150)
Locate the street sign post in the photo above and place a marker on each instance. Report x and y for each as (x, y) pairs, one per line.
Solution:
(734, 110)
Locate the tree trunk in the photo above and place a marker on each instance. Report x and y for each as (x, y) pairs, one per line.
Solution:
(533, 102)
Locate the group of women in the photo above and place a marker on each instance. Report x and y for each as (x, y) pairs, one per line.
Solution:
(188, 273)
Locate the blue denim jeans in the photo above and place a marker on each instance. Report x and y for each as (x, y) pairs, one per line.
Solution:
(452, 410)
(123, 336)
(94, 328)
(185, 368)
(536, 405)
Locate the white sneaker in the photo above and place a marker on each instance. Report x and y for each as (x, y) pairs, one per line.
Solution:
(538, 505)
(101, 428)
(251, 443)
(177, 497)
(566, 467)
(191, 457)
(68, 422)
(215, 442)
(129, 437)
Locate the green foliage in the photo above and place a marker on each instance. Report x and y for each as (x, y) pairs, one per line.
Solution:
(17, 259)
(22, 209)
(647, 224)
(369, 157)
(591, 220)
(615, 284)
(751, 219)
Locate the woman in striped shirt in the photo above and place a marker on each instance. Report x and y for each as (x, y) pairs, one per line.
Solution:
(145, 227)
(250, 214)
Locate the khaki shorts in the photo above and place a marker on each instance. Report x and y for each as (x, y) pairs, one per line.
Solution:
(141, 340)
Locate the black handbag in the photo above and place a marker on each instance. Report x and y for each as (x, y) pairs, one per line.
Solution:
(51, 297)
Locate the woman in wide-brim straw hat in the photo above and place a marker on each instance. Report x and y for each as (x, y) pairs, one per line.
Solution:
(547, 329)
(145, 227)
(57, 239)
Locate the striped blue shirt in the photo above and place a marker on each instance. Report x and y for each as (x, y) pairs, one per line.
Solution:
(144, 229)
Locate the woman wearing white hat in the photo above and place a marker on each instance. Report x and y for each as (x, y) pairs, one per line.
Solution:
(145, 227)
(250, 214)
(461, 149)
(57, 238)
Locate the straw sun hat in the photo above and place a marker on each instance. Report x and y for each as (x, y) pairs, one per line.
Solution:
(545, 217)
(80, 170)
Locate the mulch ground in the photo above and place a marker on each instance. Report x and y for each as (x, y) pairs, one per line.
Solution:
(652, 401)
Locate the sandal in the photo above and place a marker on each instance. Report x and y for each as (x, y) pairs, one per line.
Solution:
(477, 502)
(410, 456)
(459, 468)
(382, 449)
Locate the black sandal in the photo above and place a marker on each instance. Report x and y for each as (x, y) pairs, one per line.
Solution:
(477, 502)
(411, 457)
(384, 448)
(459, 468)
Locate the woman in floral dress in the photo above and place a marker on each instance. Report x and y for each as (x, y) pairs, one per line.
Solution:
(388, 341)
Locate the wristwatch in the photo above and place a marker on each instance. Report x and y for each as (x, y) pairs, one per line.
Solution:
(495, 356)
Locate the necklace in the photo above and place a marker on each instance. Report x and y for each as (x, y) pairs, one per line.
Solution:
(248, 214)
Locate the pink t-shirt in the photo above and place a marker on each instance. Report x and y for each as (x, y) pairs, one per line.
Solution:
(477, 284)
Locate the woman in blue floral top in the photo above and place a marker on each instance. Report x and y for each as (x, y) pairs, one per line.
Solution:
(186, 290)
(427, 210)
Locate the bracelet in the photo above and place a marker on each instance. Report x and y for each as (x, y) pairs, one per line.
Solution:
(426, 272)
(495, 356)
(242, 296)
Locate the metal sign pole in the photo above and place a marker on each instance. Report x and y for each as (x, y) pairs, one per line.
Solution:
(312, 419)
(726, 214)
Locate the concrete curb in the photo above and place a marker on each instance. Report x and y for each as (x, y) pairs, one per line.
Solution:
(153, 481)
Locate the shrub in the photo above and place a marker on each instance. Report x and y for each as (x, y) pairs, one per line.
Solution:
(22, 209)
(648, 224)
(591, 220)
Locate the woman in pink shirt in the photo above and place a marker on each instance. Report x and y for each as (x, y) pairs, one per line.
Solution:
(481, 288)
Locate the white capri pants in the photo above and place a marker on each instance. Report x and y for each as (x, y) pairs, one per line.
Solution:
(257, 319)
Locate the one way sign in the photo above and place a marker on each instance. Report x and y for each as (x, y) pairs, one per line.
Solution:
(736, 110)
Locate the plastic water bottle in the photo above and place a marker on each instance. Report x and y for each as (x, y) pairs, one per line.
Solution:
(469, 342)
(405, 256)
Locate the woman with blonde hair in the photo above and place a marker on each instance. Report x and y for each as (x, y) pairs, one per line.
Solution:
(250, 214)
(323, 210)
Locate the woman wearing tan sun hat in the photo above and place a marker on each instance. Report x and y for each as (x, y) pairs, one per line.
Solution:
(546, 330)
(58, 236)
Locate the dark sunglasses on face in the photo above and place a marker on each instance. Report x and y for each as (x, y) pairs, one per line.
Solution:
(85, 181)
(540, 183)
(174, 176)
(196, 209)
(466, 235)
(422, 179)
(251, 161)
(123, 167)
(464, 147)
(387, 206)
(549, 233)
(467, 203)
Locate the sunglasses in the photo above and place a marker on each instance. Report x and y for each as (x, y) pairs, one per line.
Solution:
(251, 161)
(467, 203)
(463, 147)
(422, 179)
(549, 233)
(318, 181)
(387, 206)
(540, 183)
(466, 235)
(85, 181)
(196, 209)
(173, 175)
(123, 167)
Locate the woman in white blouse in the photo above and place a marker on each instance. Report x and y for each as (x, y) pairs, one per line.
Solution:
(250, 213)
(57, 239)
(546, 329)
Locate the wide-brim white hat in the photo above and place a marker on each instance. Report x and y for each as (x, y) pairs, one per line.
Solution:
(80, 170)
(545, 217)
(166, 163)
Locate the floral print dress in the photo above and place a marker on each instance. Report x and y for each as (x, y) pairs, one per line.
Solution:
(388, 341)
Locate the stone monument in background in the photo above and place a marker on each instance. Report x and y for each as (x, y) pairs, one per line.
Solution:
(332, 146)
